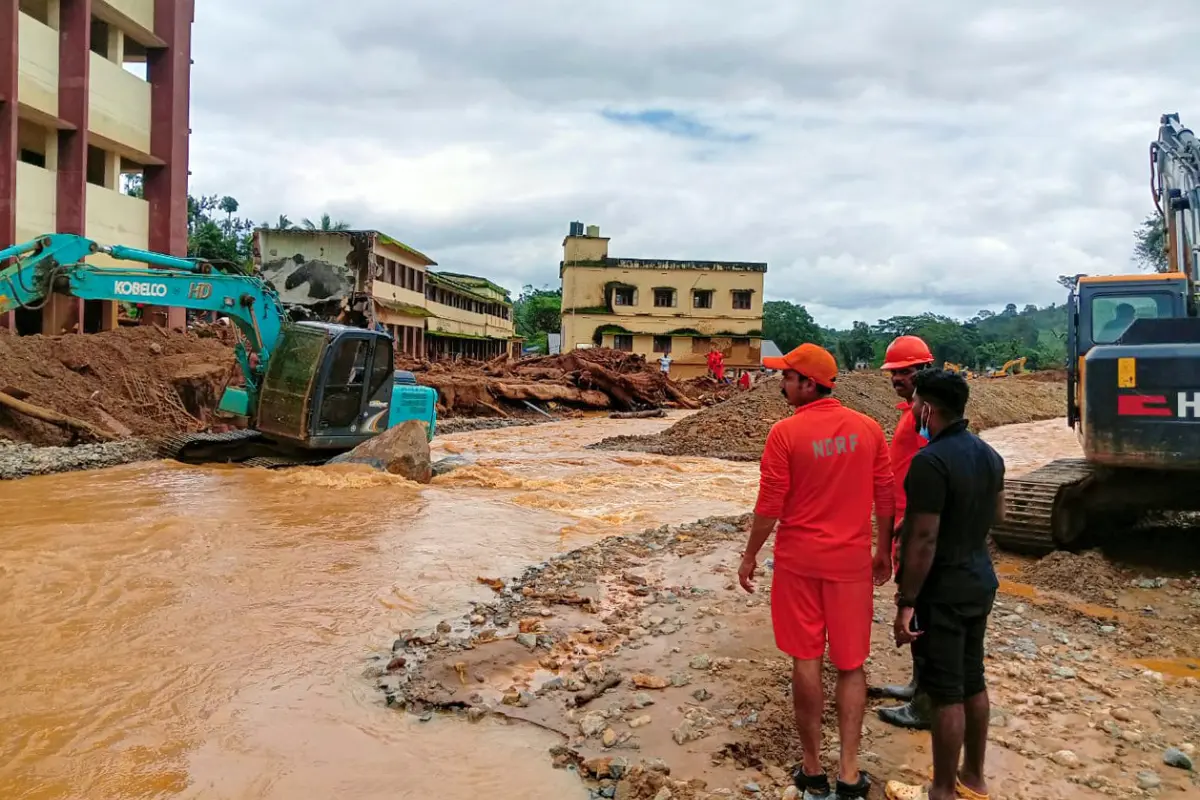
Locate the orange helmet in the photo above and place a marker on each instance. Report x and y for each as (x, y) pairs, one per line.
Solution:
(907, 351)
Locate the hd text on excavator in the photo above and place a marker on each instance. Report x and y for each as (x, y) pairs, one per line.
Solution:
(310, 390)
(1133, 383)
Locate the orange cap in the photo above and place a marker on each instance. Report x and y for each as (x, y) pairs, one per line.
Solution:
(811, 361)
(907, 351)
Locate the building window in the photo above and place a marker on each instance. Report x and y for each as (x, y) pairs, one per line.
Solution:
(701, 345)
(662, 344)
(702, 298)
(624, 296)
(741, 300)
(33, 157)
(623, 341)
(741, 341)
(664, 298)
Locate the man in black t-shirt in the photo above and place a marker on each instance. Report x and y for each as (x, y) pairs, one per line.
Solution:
(955, 490)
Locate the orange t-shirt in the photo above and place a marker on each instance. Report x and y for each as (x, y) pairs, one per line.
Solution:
(822, 470)
(905, 444)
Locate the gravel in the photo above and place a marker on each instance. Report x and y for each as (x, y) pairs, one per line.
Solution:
(24, 460)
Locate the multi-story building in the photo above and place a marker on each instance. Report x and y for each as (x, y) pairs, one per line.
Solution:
(654, 306)
(74, 120)
(380, 280)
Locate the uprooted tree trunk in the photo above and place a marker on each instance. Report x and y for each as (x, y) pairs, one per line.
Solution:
(54, 418)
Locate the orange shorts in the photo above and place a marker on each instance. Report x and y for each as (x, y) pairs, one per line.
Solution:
(804, 611)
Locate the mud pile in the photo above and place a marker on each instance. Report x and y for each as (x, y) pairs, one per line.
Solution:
(1088, 575)
(132, 382)
(737, 429)
(597, 379)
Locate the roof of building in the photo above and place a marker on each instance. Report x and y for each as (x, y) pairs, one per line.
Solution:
(457, 282)
(380, 235)
(671, 263)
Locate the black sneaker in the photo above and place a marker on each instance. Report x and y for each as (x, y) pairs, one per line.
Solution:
(854, 791)
(812, 787)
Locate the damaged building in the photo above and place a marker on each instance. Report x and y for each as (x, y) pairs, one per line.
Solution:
(367, 278)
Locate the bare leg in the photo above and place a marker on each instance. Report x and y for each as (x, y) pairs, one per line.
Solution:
(948, 727)
(851, 702)
(808, 700)
(978, 713)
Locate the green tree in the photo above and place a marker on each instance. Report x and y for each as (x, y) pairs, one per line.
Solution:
(536, 313)
(284, 224)
(789, 325)
(225, 242)
(1150, 244)
(325, 223)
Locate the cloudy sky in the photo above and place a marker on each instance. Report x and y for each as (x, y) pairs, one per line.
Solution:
(883, 156)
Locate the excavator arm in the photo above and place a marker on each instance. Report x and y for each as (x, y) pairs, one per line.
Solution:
(31, 272)
(1175, 185)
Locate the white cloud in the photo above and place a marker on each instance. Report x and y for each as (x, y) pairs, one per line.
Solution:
(883, 156)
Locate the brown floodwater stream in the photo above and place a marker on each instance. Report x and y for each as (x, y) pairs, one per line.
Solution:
(172, 631)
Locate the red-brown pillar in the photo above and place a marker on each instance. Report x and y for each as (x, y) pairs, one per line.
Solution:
(9, 64)
(169, 71)
(63, 313)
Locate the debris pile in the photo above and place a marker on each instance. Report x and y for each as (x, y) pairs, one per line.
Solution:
(597, 378)
(737, 429)
(141, 381)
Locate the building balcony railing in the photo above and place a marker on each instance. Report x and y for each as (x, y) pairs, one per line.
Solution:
(115, 218)
(37, 71)
(119, 105)
(37, 197)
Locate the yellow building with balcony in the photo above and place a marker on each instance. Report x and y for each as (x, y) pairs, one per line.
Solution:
(93, 92)
(653, 307)
(379, 280)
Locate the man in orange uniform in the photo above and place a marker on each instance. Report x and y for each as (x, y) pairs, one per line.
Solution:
(905, 357)
(822, 470)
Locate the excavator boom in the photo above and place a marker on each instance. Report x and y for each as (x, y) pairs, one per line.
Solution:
(55, 263)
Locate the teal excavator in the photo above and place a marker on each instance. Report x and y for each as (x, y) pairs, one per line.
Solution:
(311, 390)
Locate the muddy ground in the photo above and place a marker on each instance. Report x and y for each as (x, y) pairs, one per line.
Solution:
(661, 675)
(737, 429)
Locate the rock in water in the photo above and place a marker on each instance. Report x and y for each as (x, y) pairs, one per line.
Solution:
(402, 450)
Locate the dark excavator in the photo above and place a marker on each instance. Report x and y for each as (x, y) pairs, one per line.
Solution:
(1133, 383)
(310, 390)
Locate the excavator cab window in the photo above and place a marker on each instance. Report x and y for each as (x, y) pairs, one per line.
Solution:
(1113, 314)
(343, 396)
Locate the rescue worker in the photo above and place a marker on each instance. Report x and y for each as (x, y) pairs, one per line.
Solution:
(905, 357)
(822, 470)
(716, 364)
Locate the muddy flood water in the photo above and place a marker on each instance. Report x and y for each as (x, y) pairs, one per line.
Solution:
(175, 631)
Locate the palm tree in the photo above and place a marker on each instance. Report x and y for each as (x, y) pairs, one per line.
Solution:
(326, 224)
(284, 223)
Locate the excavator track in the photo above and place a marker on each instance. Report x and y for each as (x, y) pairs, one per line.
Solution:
(204, 448)
(1032, 502)
(281, 462)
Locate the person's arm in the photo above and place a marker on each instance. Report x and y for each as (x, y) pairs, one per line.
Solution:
(885, 510)
(773, 486)
(999, 517)
(925, 487)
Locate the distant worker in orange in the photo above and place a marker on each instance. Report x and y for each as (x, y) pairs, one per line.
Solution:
(823, 469)
(905, 357)
(716, 364)
(744, 380)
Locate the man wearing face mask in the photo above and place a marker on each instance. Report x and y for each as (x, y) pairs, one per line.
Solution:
(906, 356)
(947, 583)
(823, 469)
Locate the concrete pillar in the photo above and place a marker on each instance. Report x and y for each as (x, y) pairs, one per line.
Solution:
(112, 171)
(74, 58)
(9, 147)
(116, 45)
(54, 14)
(169, 71)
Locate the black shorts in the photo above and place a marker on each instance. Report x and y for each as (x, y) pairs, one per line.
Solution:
(950, 648)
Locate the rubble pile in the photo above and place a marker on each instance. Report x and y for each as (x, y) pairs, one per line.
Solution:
(597, 379)
(737, 429)
(141, 381)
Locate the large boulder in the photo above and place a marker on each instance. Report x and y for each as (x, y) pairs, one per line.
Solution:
(402, 450)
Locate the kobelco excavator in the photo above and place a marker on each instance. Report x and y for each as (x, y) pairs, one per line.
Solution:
(1133, 383)
(311, 390)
